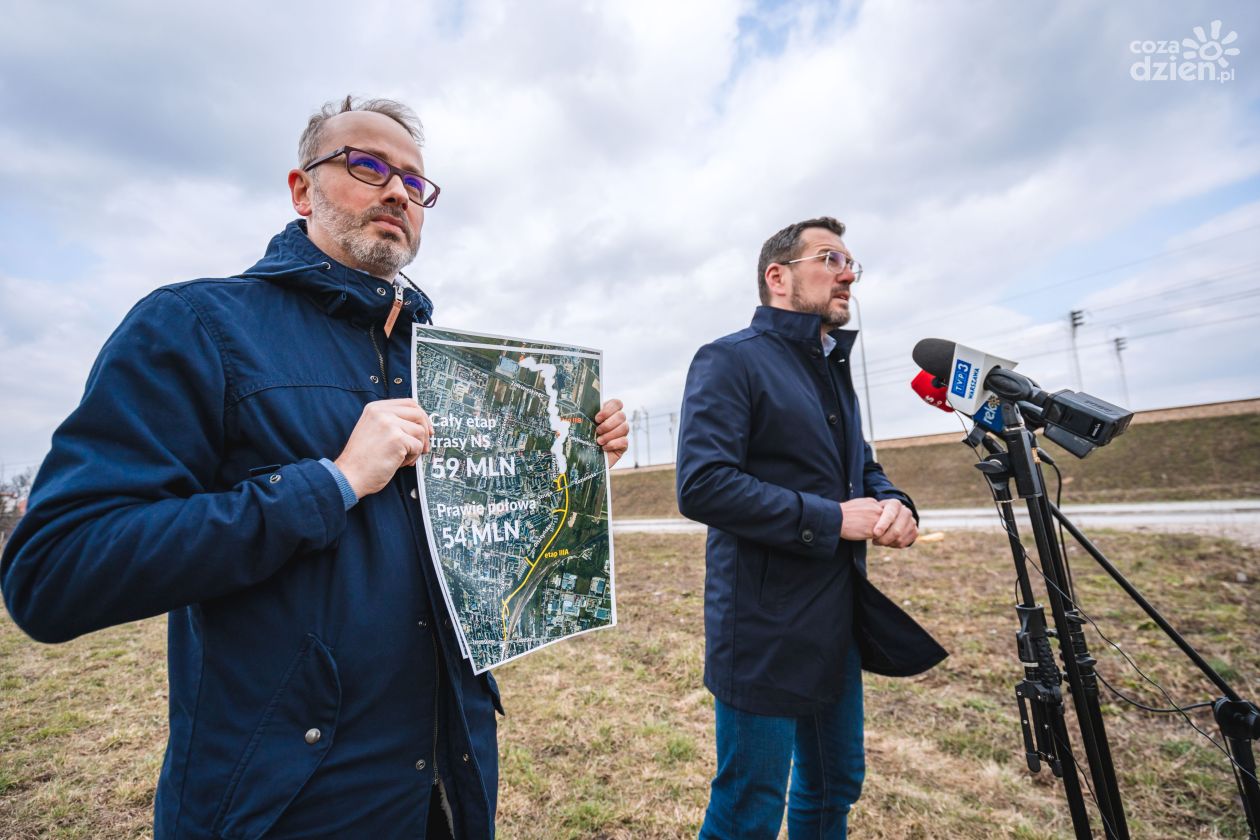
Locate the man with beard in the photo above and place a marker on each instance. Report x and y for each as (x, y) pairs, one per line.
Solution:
(239, 462)
(771, 458)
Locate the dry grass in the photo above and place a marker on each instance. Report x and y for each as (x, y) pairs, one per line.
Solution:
(82, 730)
(610, 735)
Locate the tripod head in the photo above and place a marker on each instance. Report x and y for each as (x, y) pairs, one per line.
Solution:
(1237, 718)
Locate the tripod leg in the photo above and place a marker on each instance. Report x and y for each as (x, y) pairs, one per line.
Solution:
(1045, 730)
(1082, 681)
(1240, 748)
(1071, 781)
(1107, 787)
(1051, 743)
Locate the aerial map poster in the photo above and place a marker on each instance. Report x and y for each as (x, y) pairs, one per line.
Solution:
(515, 490)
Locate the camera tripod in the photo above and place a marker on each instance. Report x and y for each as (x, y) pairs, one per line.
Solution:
(1014, 455)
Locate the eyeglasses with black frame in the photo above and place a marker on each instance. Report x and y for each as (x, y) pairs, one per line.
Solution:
(835, 262)
(370, 169)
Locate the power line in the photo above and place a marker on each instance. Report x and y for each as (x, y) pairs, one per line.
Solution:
(885, 383)
(888, 364)
(903, 369)
(1159, 313)
(1080, 277)
(1191, 285)
(1189, 282)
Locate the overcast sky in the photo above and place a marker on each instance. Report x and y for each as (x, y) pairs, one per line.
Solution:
(610, 170)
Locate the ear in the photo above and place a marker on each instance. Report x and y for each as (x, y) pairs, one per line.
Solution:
(300, 191)
(778, 281)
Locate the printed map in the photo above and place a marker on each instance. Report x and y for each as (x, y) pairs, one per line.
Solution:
(515, 490)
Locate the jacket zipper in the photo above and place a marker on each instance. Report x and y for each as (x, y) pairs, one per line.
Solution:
(380, 360)
(437, 697)
(437, 661)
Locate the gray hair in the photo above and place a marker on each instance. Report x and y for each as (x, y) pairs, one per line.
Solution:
(308, 145)
(786, 245)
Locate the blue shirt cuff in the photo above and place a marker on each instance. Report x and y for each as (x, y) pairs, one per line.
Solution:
(347, 492)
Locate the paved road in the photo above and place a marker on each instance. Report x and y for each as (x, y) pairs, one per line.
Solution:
(1238, 519)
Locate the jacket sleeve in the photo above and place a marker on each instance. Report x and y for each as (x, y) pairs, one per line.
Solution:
(714, 486)
(877, 486)
(124, 520)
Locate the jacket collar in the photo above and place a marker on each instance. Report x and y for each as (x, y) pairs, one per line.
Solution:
(294, 262)
(799, 326)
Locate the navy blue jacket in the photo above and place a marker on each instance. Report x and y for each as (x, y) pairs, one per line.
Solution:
(769, 445)
(315, 684)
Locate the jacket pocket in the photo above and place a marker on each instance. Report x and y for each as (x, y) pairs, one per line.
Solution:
(294, 735)
(794, 584)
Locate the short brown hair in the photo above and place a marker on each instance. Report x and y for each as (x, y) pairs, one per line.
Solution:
(786, 245)
(308, 144)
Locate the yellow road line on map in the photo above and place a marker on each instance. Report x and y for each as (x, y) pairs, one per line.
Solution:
(562, 482)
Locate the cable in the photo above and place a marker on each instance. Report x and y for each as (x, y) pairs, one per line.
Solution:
(1134, 665)
(1084, 778)
(1235, 768)
(1028, 559)
(1050, 584)
(1133, 702)
(1064, 748)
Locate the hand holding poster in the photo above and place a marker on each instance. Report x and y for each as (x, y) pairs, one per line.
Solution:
(514, 490)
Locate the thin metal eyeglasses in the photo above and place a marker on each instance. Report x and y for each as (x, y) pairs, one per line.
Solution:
(835, 262)
(368, 168)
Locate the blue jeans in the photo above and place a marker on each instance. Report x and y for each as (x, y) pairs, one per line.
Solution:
(823, 752)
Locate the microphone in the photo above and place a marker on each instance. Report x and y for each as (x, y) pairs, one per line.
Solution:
(964, 367)
(974, 377)
(931, 389)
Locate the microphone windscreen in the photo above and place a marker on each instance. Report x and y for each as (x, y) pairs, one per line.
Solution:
(935, 355)
(931, 390)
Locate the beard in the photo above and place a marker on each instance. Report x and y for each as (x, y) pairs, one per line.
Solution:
(832, 319)
(380, 257)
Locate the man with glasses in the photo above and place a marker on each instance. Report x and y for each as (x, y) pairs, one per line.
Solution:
(239, 462)
(771, 458)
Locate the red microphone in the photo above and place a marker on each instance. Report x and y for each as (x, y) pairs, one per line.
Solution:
(932, 390)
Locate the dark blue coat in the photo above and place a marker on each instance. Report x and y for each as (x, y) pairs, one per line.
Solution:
(769, 445)
(315, 683)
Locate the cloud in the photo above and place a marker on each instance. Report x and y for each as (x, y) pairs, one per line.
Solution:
(609, 172)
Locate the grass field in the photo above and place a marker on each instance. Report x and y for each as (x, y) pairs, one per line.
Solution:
(1206, 458)
(610, 735)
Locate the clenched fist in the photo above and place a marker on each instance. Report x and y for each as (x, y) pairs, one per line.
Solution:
(896, 527)
(888, 523)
